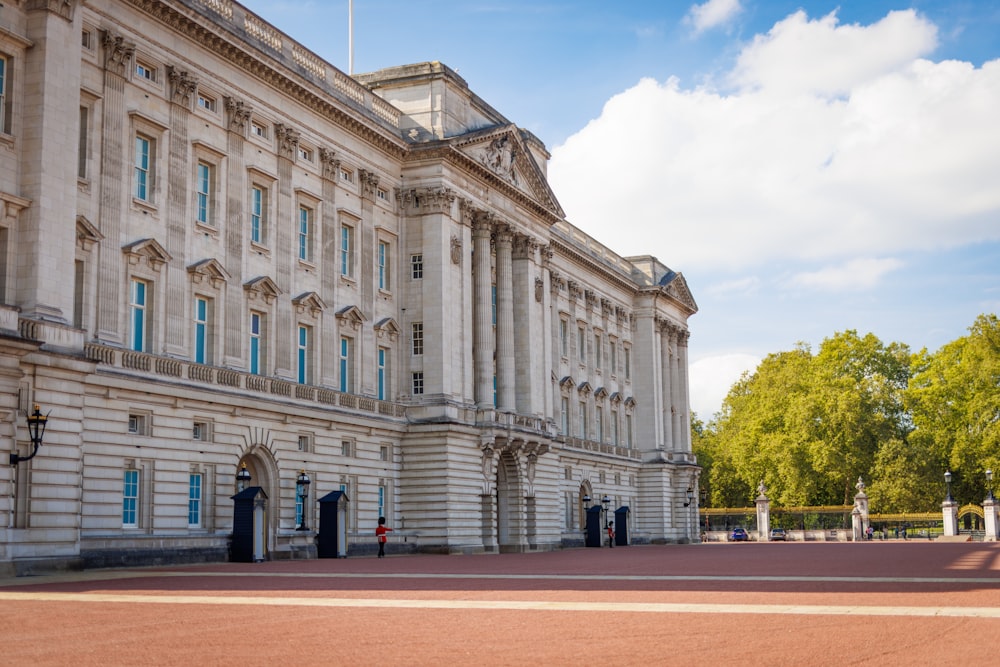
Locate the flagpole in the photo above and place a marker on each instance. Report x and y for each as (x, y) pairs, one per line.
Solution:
(350, 37)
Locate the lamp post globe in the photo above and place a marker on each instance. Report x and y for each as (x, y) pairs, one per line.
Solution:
(947, 481)
(989, 485)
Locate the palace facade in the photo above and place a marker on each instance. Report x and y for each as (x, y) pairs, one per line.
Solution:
(219, 253)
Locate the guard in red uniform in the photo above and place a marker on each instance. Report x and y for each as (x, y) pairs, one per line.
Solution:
(611, 534)
(380, 535)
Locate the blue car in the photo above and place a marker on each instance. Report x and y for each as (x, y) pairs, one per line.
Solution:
(739, 535)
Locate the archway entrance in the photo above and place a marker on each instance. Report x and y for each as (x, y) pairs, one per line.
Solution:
(262, 471)
(510, 505)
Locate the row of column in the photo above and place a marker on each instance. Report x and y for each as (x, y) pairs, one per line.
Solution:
(675, 389)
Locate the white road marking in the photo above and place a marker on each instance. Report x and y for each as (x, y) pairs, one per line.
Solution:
(512, 605)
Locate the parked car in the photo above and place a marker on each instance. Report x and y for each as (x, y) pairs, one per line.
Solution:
(778, 535)
(739, 535)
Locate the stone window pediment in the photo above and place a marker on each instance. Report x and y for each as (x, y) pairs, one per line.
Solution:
(86, 233)
(387, 328)
(351, 316)
(209, 269)
(148, 250)
(262, 287)
(309, 301)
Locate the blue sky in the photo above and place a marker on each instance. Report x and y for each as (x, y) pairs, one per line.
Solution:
(809, 167)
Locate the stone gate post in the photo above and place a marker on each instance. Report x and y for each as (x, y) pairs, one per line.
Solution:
(763, 514)
(949, 510)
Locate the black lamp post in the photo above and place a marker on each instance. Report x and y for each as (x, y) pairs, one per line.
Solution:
(302, 483)
(989, 485)
(690, 497)
(36, 429)
(242, 478)
(947, 481)
(704, 503)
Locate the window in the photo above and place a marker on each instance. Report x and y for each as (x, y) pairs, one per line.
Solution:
(201, 431)
(81, 156)
(305, 443)
(418, 383)
(381, 499)
(5, 90)
(416, 267)
(382, 194)
(87, 40)
(564, 338)
(258, 213)
(346, 247)
(628, 362)
(301, 495)
(345, 363)
(613, 355)
(347, 448)
(145, 71)
(305, 154)
(139, 296)
(381, 378)
(564, 416)
(142, 186)
(628, 430)
(597, 350)
(137, 424)
(417, 338)
(581, 344)
(383, 453)
(599, 423)
(258, 129)
(130, 499)
(207, 102)
(194, 500)
(583, 419)
(614, 427)
(304, 355)
(204, 185)
(202, 330)
(346, 175)
(257, 358)
(305, 233)
(383, 265)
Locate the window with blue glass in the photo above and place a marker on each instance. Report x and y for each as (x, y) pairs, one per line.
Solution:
(382, 358)
(130, 499)
(201, 346)
(258, 208)
(345, 364)
(305, 233)
(194, 500)
(137, 307)
(256, 343)
(203, 187)
(143, 168)
(304, 343)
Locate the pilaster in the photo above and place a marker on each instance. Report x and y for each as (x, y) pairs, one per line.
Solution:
(506, 388)
(237, 117)
(288, 144)
(482, 229)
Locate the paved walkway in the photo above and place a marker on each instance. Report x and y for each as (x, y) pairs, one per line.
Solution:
(756, 604)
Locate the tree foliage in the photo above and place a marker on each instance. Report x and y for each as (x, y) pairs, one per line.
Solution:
(808, 425)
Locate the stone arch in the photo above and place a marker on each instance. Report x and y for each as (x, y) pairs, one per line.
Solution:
(585, 490)
(263, 469)
(509, 503)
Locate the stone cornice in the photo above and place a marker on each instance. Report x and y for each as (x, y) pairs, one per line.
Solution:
(577, 257)
(226, 42)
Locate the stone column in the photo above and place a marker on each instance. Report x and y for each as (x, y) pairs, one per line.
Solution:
(990, 518)
(763, 514)
(506, 397)
(665, 412)
(114, 187)
(676, 409)
(482, 230)
(683, 406)
(949, 511)
(182, 88)
(237, 117)
(285, 229)
(530, 341)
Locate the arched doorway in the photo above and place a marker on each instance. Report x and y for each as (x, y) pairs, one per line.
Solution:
(582, 505)
(263, 473)
(509, 504)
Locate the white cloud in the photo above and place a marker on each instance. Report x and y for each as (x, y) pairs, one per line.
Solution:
(712, 14)
(712, 377)
(856, 274)
(835, 142)
(738, 287)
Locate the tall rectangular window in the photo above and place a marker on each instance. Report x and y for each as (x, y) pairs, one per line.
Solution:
(194, 500)
(381, 379)
(583, 419)
(614, 427)
(581, 343)
(142, 181)
(304, 354)
(628, 362)
(202, 345)
(599, 423)
(613, 355)
(305, 233)
(628, 430)
(381, 500)
(258, 213)
(81, 157)
(299, 509)
(346, 248)
(383, 265)
(203, 191)
(130, 499)
(416, 267)
(418, 383)
(345, 364)
(417, 338)
(564, 338)
(564, 416)
(137, 306)
(256, 343)
(4, 96)
(597, 350)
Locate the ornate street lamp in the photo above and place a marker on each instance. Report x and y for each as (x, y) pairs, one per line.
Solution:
(947, 480)
(302, 483)
(606, 502)
(36, 430)
(690, 497)
(242, 478)
(989, 485)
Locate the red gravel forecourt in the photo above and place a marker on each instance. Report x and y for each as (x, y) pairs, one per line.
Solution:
(881, 603)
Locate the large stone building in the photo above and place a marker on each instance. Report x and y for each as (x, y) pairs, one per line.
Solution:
(217, 251)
